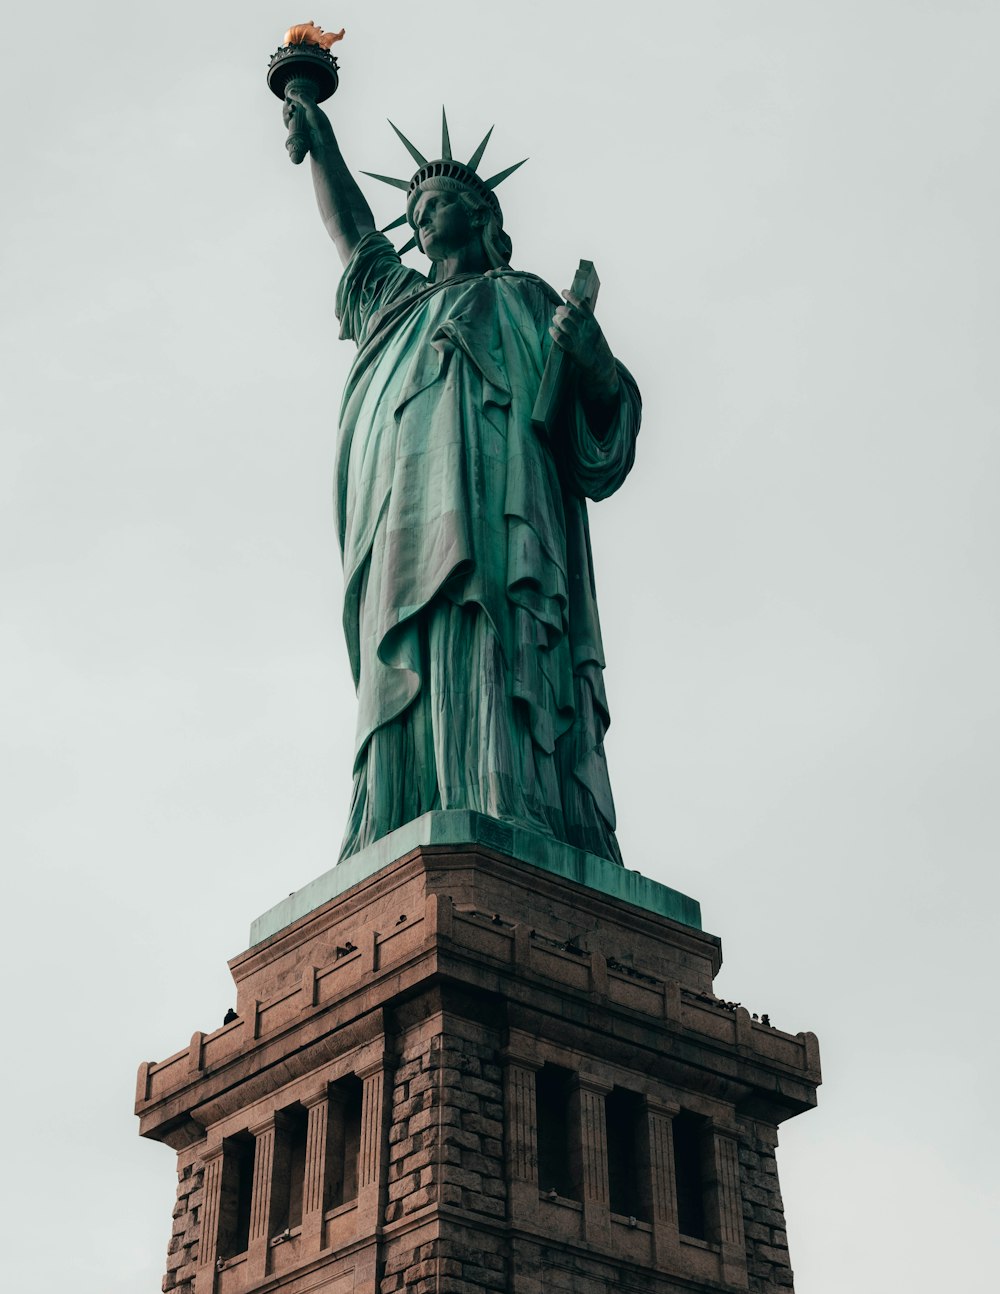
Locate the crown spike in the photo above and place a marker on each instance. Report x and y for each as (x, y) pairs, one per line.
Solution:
(407, 247)
(394, 224)
(499, 178)
(414, 152)
(388, 179)
(445, 138)
(477, 156)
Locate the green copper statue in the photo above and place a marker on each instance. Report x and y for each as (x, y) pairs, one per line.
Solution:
(469, 607)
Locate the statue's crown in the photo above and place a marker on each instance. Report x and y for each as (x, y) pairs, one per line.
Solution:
(444, 167)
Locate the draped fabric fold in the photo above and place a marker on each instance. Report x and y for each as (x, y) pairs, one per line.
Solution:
(470, 611)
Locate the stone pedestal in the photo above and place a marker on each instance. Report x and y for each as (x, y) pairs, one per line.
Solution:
(468, 1073)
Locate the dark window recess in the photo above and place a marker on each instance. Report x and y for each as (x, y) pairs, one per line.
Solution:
(628, 1154)
(344, 1142)
(690, 1148)
(289, 1169)
(237, 1189)
(558, 1154)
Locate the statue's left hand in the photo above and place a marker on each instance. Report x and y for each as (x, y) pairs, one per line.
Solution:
(576, 331)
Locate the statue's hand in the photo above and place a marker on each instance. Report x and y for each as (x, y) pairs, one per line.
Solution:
(307, 118)
(575, 330)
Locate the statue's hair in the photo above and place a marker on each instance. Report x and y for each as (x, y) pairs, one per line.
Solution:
(496, 242)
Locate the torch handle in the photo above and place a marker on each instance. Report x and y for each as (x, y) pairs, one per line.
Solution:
(297, 142)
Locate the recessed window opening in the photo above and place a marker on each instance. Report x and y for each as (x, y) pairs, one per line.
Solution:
(236, 1192)
(557, 1152)
(690, 1148)
(344, 1141)
(628, 1156)
(289, 1170)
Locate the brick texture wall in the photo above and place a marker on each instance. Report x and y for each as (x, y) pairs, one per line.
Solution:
(488, 966)
(182, 1252)
(446, 1148)
(445, 1265)
(768, 1264)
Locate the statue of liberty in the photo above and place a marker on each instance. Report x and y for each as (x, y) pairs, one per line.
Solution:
(469, 606)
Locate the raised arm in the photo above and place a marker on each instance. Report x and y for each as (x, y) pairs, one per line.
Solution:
(342, 206)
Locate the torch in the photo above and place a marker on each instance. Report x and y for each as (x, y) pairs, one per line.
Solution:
(304, 65)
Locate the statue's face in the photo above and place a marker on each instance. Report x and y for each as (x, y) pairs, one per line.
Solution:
(444, 224)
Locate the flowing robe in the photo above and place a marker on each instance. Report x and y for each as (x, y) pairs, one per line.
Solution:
(469, 606)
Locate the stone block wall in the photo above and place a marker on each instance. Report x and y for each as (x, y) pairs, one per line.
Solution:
(445, 1266)
(441, 992)
(768, 1266)
(182, 1251)
(446, 1149)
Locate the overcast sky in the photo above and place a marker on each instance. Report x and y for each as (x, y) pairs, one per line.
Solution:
(793, 209)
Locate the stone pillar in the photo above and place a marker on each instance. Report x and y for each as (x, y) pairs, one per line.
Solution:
(372, 1155)
(593, 1166)
(208, 1250)
(281, 1174)
(317, 1160)
(522, 1137)
(666, 1236)
(261, 1198)
(727, 1204)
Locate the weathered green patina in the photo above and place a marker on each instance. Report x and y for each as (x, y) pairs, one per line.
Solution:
(470, 609)
(473, 829)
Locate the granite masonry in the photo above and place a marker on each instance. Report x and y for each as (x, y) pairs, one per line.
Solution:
(467, 1075)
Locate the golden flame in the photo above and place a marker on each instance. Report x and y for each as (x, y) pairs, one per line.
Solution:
(307, 33)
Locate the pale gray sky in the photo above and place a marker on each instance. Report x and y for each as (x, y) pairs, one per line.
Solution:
(793, 209)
